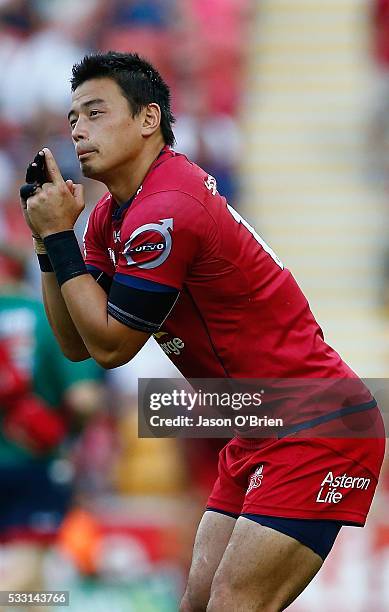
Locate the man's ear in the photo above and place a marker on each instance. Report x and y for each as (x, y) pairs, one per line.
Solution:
(151, 119)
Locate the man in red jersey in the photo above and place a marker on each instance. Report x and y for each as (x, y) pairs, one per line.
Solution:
(166, 255)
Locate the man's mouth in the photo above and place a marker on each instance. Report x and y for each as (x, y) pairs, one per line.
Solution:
(84, 154)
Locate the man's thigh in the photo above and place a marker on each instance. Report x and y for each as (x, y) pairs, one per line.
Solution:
(212, 537)
(261, 570)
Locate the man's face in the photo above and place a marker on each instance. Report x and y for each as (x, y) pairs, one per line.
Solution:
(105, 135)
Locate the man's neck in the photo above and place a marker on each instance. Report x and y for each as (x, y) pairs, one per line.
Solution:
(126, 181)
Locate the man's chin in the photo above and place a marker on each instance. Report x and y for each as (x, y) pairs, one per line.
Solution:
(89, 171)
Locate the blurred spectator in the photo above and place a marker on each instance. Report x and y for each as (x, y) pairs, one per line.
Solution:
(33, 80)
(7, 175)
(52, 397)
(213, 36)
(214, 142)
(146, 27)
(139, 13)
(17, 17)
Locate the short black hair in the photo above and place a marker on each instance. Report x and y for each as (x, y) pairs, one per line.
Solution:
(139, 81)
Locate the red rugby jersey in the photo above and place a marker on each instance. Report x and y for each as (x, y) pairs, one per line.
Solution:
(240, 313)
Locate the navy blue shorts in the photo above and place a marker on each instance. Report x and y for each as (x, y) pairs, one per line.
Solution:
(319, 536)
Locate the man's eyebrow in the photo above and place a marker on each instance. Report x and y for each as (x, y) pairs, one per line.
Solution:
(86, 105)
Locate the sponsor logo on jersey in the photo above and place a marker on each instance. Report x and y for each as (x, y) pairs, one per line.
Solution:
(173, 346)
(170, 347)
(116, 236)
(149, 245)
(331, 488)
(255, 479)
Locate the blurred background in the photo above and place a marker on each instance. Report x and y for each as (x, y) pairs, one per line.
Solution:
(287, 105)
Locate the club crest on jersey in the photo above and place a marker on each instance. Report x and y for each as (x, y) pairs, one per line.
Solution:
(255, 479)
(149, 245)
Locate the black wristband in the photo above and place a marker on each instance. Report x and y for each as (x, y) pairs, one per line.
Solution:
(45, 263)
(65, 256)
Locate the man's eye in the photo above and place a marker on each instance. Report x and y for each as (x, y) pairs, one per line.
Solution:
(94, 113)
(72, 123)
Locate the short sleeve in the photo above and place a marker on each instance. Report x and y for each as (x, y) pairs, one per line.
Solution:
(96, 254)
(161, 238)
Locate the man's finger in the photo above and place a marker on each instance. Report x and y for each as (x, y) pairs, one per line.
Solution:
(78, 192)
(70, 185)
(52, 171)
(23, 203)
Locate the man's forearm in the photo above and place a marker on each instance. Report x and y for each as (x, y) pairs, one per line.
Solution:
(86, 302)
(60, 321)
(104, 337)
(83, 307)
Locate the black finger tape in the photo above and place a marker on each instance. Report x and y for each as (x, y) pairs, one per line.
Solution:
(27, 190)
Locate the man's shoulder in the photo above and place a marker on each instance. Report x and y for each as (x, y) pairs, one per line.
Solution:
(177, 174)
(100, 212)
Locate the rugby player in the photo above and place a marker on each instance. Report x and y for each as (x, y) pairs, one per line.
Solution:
(165, 254)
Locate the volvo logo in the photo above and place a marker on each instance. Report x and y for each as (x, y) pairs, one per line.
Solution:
(158, 249)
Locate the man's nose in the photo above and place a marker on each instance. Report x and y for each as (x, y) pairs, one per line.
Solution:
(79, 131)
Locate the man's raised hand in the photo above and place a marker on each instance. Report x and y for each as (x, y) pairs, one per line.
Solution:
(56, 205)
